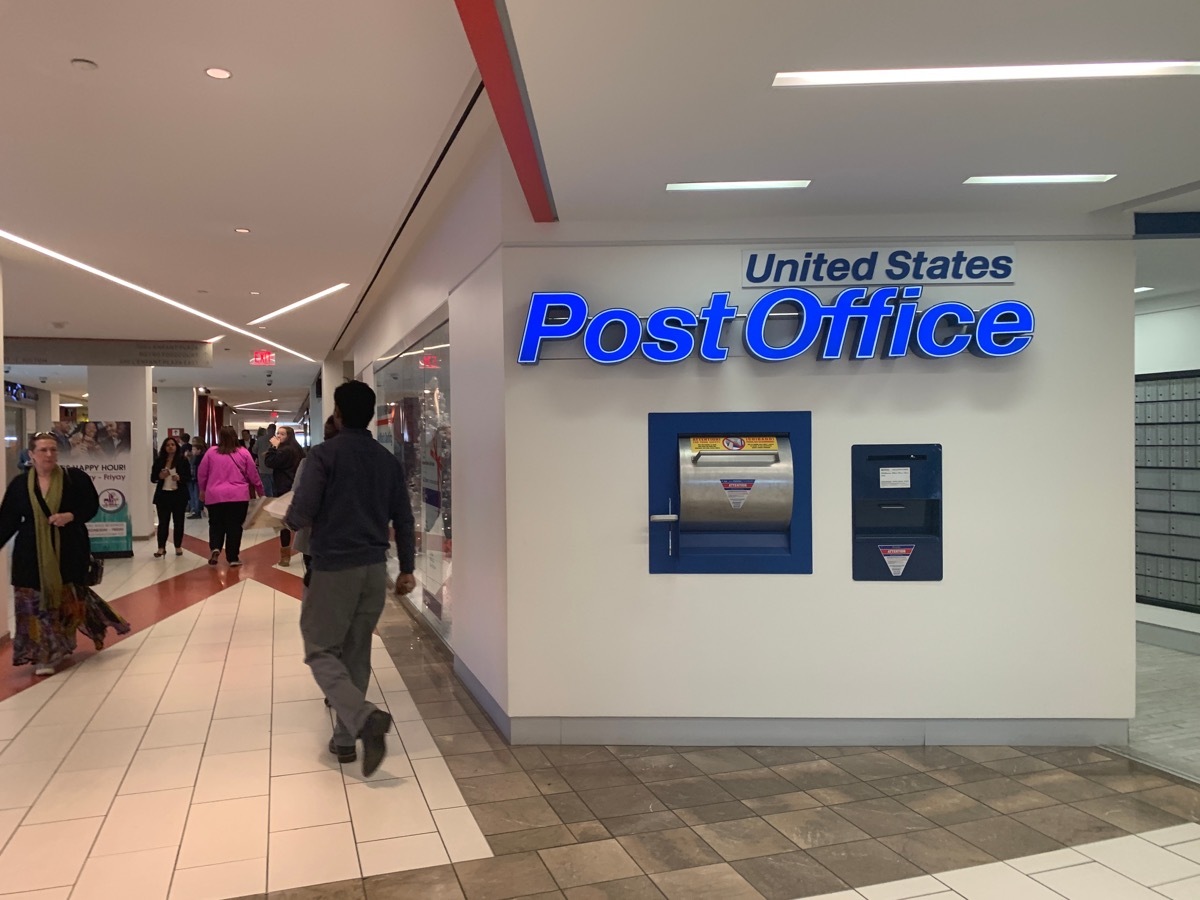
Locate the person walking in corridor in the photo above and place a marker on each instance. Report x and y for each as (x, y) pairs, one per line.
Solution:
(352, 489)
(228, 480)
(171, 475)
(283, 458)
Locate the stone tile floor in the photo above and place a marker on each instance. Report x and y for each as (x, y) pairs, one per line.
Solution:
(588, 823)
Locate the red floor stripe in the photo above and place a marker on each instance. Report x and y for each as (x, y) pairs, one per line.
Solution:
(151, 605)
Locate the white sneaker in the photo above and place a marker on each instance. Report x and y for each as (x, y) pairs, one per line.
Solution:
(44, 670)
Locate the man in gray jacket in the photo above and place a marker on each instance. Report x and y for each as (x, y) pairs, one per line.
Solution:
(352, 489)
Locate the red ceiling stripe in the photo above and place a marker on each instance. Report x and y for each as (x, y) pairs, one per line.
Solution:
(481, 21)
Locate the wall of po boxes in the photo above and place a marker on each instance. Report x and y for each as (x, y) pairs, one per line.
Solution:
(1167, 417)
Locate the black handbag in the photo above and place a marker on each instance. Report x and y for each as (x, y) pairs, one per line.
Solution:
(95, 572)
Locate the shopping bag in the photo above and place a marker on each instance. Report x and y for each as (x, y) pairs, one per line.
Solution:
(278, 506)
(257, 515)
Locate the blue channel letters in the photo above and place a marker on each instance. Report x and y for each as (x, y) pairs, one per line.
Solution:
(857, 323)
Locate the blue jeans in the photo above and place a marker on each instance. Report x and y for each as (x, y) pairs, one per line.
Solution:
(268, 480)
(193, 497)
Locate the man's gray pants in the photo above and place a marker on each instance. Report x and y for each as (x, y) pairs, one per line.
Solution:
(338, 615)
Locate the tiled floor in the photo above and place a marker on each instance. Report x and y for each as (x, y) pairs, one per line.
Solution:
(188, 761)
(1166, 732)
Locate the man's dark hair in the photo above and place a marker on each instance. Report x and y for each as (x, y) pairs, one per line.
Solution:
(355, 400)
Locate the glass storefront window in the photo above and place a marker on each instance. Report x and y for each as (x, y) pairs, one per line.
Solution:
(413, 393)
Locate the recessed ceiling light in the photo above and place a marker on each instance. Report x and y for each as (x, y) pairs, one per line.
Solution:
(262, 327)
(1038, 179)
(737, 185)
(86, 65)
(242, 230)
(1142, 290)
(71, 405)
(984, 73)
(219, 74)
(254, 293)
(85, 396)
(213, 340)
(38, 248)
(299, 303)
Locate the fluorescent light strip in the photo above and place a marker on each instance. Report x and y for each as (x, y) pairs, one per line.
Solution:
(1038, 179)
(149, 293)
(1142, 290)
(985, 73)
(213, 340)
(737, 185)
(252, 404)
(299, 303)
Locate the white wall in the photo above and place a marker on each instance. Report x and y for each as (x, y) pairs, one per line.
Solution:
(1034, 618)
(456, 268)
(1167, 339)
(176, 409)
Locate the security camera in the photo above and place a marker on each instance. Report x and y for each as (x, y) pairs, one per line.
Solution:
(43, 379)
(7, 369)
(268, 382)
(268, 373)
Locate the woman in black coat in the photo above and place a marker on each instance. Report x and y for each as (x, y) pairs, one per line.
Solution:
(171, 474)
(47, 508)
(284, 460)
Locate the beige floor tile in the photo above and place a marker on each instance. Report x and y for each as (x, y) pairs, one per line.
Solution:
(307, 800)
(35, 743)
(162, 769)
(395, 765)
(312, 856)
(9, 820)
(20, 785)
(242, 703)
(229, 776)
(45, 856)
(388, 809)
(177, 729)
(461, 835)
(1141, 861)
(301, 716)
(296, 687)
(222, 832)
(306, 751)
(417, 851)
(238, 735)
(440, 789)
(145, 875)
(103, 749)
(418, 743)
(144, 822)
(237, 879)
(76, 795)
(123, 713)
(1093, 882)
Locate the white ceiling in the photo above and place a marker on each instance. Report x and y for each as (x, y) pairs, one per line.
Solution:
(629, 95)
(144, 167)
(320, 141)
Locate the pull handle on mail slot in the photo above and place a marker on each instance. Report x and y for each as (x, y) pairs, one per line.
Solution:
(725, 457)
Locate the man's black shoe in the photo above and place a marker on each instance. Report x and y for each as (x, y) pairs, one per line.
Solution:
(343, 754)
(378, 724)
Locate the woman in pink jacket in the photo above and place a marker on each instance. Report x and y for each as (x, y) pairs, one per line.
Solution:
(227, 475)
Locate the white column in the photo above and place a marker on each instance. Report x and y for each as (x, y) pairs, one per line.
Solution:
(122, 394)
(47, 410)
(333, 373)
(6, 595)
(176, 409)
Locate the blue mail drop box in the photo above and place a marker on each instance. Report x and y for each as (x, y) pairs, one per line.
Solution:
(897, 512)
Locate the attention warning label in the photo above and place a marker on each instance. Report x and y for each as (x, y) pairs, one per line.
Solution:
(737, 491)
(733, 444)
(896, 556)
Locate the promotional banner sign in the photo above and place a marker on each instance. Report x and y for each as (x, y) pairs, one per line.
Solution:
(103, 451)
(33, 351)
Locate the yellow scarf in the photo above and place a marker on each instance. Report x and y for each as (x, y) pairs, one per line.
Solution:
(49, 561)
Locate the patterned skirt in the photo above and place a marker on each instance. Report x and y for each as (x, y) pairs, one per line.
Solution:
(45, 637)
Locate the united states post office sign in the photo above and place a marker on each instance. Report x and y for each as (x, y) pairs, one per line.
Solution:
(857, 322)
(900, 265)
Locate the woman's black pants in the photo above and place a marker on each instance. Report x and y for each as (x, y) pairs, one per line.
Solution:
(225, 527)
(171, 510)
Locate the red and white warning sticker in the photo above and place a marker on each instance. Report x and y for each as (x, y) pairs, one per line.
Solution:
(737, 491)
(896, 556)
